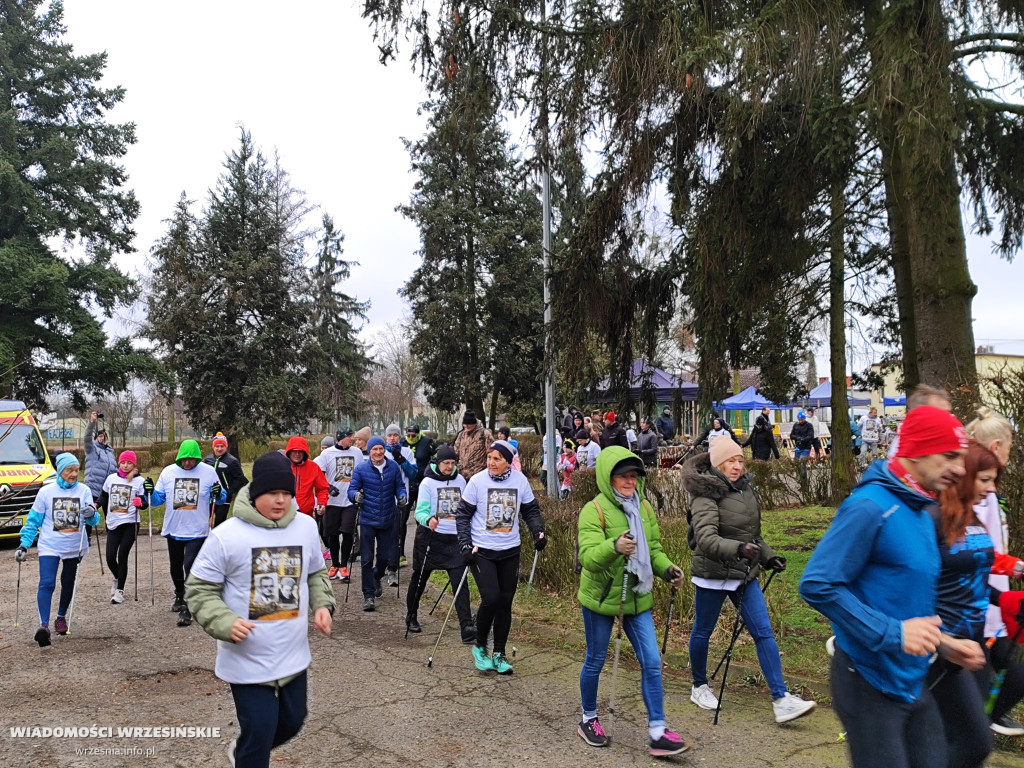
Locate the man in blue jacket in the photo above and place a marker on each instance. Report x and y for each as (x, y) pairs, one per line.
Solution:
(874, 576)
(378, 487)
(100, 462)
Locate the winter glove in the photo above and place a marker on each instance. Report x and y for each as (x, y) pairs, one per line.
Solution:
(332, 492)
(137, 501)
(403, 502)
(147, 485)
(539, 542)
(748, 551)
(468, 556)
(777, 563)
(396, 452)
(20, 554)
(358, 498)
(215, 490)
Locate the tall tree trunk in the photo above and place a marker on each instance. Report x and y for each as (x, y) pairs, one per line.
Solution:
(170, 420)
(910, 51)
(843, 470)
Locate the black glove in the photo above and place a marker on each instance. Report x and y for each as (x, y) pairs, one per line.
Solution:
(396, 451)
(468, 556)
(215, 491)
(777, 563)
(748, 551)
(540, 541)
(358, 499)
(332, 492)
(403, 502)
(20, 554)
(147, 485)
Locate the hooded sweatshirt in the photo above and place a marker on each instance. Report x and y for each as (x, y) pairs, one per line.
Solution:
(187, 495)
(271, 572)
(439, 497)
(603, 567)
(310, 484)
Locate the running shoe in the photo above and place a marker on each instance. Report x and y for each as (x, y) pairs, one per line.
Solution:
(185, 617)
(468, 634)
(402, 562)
(113, 587)
(703, 697)
(333, 573)
(392, 577)
(343, 574)
(178, 604)
(412, 624)
(42, 636)
(60, 626)
(592, 733)
(327, 554)
(118, 597)
(1005, 725)
(368, 604)
(670, 743)
(790, 707)
(501, 665)
(482, 659)
(380, 589)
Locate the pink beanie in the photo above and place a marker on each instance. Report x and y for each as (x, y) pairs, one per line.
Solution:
(723, 447)
(128, 456)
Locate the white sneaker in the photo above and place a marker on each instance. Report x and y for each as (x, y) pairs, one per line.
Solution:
(113, 587)
(704, 697)
(118, 597)
(790, 707)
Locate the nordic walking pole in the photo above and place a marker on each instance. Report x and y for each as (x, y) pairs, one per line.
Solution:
(618, 635)
(671, 609)
(447, 584)
(74, 587)
(732, 642)
(423, 570)
(99, 548)
(17, 596)
(430, 660)
(529, 588)
(152, 592)
(138, 529)
(739, 629)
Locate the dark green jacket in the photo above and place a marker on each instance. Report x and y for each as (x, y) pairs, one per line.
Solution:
(603, 568)
(723, 516)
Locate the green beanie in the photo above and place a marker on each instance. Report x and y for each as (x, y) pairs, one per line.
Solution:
(189, 450)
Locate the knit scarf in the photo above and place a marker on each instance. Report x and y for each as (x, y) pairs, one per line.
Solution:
(640, 563)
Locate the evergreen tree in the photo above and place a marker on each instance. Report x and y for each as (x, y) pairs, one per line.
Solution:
(60, 178)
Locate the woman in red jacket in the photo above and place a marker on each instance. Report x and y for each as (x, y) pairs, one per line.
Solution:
(310, 484)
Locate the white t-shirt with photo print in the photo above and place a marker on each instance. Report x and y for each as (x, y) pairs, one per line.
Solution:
(495, 524)
(444, 498)
(338, 464)
(61, 532)
(187, 510)
(120, 493)
(586, 455)
(264, 572)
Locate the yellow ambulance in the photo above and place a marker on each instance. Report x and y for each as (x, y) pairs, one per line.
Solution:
(25, 467)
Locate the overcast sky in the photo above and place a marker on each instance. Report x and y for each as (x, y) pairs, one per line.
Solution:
(305, 80)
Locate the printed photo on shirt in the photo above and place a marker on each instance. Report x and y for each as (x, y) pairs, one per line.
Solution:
(582, 457)
(186, 493)
(66, 515)
(344, 466)
(447, 502)
(274, 593)
(501, 509)
(120, 498)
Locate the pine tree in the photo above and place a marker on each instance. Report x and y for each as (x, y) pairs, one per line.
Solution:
(60, 178)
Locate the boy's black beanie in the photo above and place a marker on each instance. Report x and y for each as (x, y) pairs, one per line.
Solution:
(271, 472)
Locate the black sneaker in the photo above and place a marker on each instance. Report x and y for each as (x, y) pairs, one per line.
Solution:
(184, 617)
(178, 604)
(42, 636)
(411, 624)
(368, 604)
(671, 743)
(380, 589)
(592, 733)
(1005, 725)
(468, 634)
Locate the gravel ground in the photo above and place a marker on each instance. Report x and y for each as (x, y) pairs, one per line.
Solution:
(373, 701)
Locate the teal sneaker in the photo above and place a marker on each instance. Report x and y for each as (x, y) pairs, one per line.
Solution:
(501, 665)
(482, 659)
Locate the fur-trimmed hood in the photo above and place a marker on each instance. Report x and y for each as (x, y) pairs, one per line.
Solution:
(702, 480)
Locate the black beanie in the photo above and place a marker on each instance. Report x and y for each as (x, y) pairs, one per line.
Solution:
(469, 417)
(582, 434)
(445, 453)
(271, 472)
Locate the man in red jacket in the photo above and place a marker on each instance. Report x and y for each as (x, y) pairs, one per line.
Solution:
(310, 484)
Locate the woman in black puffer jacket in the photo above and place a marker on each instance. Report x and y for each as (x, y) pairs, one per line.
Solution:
(728, 554)
(762, 440)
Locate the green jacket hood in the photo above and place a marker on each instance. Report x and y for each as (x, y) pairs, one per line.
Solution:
(189, 449)
(606, 461)
(245, 510)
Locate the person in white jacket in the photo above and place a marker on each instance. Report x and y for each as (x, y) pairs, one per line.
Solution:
(994, 431)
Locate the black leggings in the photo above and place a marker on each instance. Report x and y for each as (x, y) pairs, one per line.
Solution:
(497, 581)
(1012, 691)
(881, 730)
(182, 554)
(120, 541)
(968, 739)
(421, 572)
(339, 533)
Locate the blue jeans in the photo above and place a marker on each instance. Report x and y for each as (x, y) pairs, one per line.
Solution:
(707, 607)
(384, 538)
(802, 453)
(267, 717)
(48, 582)
(640, 631)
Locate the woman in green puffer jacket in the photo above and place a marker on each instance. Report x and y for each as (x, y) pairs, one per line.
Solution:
(619, 539)
(728, 554)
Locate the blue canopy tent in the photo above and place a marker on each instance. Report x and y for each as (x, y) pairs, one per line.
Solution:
(659, 383)
(747, 400)
(821, 397)
(890, 402)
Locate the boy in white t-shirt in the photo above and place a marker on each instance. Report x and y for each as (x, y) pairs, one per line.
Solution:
(252, 586)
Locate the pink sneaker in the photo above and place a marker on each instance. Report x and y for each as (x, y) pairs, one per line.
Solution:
(670, 743)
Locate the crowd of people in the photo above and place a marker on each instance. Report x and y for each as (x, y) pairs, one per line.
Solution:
(913, 574)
